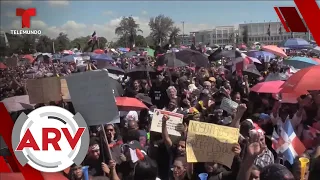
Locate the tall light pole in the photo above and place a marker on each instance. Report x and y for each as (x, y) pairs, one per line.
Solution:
(182, 32)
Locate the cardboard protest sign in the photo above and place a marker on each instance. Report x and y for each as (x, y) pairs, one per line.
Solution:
(17, 103)
(64, 90)
(174, 122)
(44, 90)
(12, 62)
(228, 105)
(92, 97)
(208, 142)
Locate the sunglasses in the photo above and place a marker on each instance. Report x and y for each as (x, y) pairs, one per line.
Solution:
(111, 130)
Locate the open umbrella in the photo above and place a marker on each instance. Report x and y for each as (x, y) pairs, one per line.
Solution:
(274, 50)
(101, 57)
(316, 50)
(252, 71)
(267, 87)
(130, 54)
(2, 66)
(261, 55)
(300, 62)
(117, 87)
(188, 56)
(295, 43)
(140, 69)
(28, 58)
(170, 61)
(115, 70)
(303, 80)
(99, 51)
(276, 77)
(129, 104)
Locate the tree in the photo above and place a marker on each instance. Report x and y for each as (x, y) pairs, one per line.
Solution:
(174, 32)
(102, 43)
(128, 30)
(245, 35)
(140, 41)
(160, 27)
(62, 42)
(44, 44)
(80, 42)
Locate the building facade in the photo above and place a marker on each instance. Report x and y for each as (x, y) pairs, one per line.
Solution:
(257, 32)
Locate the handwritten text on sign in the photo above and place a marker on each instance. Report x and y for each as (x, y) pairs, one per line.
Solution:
(211, 143)
(174, 122)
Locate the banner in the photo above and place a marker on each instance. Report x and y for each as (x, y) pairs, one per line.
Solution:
(208, 142)
(173, 124)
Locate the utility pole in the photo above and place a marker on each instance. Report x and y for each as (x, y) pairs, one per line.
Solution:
(183, 32)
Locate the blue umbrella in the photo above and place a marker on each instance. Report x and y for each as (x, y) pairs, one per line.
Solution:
(295, 43)
(300, 62)
(68, 58)
(101, 57)
(123, 49)
(261, 55)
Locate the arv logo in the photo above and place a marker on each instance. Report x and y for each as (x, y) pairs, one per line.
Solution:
(50, 139)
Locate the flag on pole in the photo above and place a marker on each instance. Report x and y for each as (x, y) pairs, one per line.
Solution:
(269, 30)
(287, 143)
(3, 35)
(93, 38)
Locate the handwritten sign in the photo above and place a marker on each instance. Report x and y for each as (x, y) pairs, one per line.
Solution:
(93, 98)
(44, 90)
(228, 105)
(208, 142)
(174, 122)
(64, 90)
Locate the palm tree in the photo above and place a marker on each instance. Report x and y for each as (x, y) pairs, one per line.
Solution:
(173, 35)
(128, 29)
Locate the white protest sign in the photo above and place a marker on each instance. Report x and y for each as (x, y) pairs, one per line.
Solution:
(92, 97)
(174, 122)
(228, 105)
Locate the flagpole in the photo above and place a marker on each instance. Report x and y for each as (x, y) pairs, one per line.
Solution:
(54, 50)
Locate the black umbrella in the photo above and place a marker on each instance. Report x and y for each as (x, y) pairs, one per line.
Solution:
(117, 87)
(115, 70)
(145, 99)
(251, 70)
(218, 54)
(170, 61)
(140, 68)
(188, 56)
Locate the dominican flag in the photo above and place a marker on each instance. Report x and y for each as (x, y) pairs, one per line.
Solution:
(93, 38)
(241, 62)
(286, 143)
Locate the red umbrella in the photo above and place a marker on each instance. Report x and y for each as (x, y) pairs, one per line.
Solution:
(267, 87)
(2, 66)
(303, 80)
(28, 57)
(129, 104)
(99, 51)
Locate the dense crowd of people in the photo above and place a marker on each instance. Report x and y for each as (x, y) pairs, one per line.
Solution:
(195, 92)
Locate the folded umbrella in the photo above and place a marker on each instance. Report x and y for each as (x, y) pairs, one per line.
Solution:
(129, 104)
(268, 87)
(188, 56)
